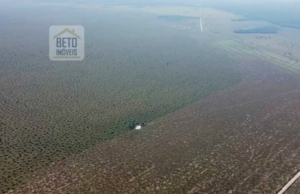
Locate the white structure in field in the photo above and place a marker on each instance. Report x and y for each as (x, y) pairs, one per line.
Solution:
(138, 127)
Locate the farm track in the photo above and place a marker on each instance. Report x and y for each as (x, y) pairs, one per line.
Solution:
(289, 184)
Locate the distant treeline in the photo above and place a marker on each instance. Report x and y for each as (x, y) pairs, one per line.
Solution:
(263, 30)
(175, 17)
(286, 14)
(241, 20)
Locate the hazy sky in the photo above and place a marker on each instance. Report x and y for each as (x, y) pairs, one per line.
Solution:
(20, 3)
(149, 1)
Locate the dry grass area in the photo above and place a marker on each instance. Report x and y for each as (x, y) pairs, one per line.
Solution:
(244, 139)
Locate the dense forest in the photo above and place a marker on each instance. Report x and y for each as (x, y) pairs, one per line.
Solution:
(208, 100)
(285, 14)
(175, 17)
(241, 20)
(263, 30)
(132, 72)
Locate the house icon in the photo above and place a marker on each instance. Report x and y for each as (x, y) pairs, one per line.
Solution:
(67, 30)
(65, 44)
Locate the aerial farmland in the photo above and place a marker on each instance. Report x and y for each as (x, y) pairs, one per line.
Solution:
(168, 99)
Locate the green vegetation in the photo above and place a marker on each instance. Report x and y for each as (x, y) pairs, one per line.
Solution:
(132, 72)
(263, 30)
(131, 125)
(138, 69)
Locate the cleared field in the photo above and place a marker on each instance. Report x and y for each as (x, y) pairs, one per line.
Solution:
(284, 43)
(255, 51)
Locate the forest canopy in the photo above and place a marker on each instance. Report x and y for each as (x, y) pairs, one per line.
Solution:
(263, 30)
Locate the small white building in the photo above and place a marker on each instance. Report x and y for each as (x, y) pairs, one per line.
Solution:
(138, 127)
